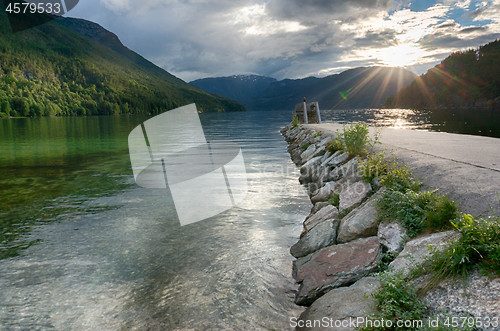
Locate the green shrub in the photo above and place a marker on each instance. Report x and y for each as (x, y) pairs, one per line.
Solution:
(417, 211)
(295, 121)
(390, 173)
(397, 300)
(335, 145)
(355, 139)
(334, 200)
(479, 245)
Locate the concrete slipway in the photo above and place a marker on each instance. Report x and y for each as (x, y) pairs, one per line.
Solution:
(464, 167)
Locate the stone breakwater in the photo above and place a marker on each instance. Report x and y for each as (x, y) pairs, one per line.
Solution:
(342, 242)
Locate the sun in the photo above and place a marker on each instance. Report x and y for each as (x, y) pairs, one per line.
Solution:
(401, 55)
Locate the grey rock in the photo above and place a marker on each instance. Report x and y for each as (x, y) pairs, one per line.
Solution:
(342, 304)
(322, 235)
(348, 169)
(416, 251)
(325, 156)
(327, 212)
(391, 235)
(324, 192)
(308, 167)
(353, 195)
(308, 153)
(317, 206)
(339, 159)
(361, 222)
(334, 266)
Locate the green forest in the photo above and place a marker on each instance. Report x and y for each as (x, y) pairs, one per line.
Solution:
(52, 70)
(466, 80)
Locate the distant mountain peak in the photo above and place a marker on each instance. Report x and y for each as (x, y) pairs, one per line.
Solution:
(364, 86)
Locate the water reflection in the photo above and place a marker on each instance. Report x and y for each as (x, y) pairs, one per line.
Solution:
(475, 122)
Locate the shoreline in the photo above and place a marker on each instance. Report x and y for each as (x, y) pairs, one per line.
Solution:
(342, 244)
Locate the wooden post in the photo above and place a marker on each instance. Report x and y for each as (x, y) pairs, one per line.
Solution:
(306, 121)
(318, 113)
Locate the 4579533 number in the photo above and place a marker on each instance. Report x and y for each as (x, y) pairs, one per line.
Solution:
(32, 8)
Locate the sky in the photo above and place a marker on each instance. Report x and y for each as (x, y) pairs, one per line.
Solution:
(294, 38)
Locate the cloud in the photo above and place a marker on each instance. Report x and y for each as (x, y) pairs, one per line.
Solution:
(291, 38)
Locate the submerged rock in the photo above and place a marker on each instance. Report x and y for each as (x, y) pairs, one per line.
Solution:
(334, 266)
(322, 235)
(342, 304)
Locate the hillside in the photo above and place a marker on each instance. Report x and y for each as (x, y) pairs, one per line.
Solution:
(468, 80)
(75, 67)
(355, 88)
(246, 89)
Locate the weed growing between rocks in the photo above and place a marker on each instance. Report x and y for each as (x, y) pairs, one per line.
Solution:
(400, 299)
(417, 211)
(334, 200)
(305, 146)
(478, 245)
(295, 121)
(388, 171)
(396, 300)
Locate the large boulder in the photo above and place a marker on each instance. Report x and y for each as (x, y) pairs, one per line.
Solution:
(341, 305)
(327, 212)
(416, 251)
(324, 193)
(339, 159)
(334, 266)
(353, 195)
(391, 235)
(317, 206)
(308, 153)
(348, 169)
(361, 222)
(322, 235)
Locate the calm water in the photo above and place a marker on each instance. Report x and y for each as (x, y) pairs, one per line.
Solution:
(83, 247)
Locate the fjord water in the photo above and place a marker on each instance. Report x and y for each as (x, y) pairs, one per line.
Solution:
(83, 247)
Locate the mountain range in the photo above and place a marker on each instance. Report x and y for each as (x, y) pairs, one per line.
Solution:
(75, 67)
(363, 87)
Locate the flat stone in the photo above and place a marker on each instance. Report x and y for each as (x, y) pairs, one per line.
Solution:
(317, 206)
(326, 156)
(324, 192)
(350, 168)
(342, 304)
(322, 235)
(308, 153)
(327, 212)
(338, 159)
(309, 167)
(334, 266)
(391, 235)
(361, 222)
(353, 195)
(416, 251)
